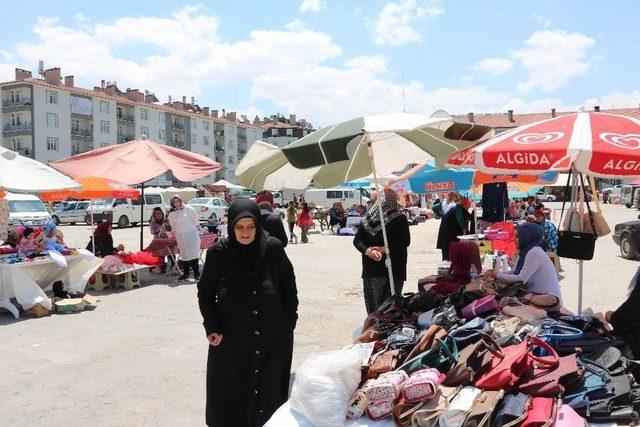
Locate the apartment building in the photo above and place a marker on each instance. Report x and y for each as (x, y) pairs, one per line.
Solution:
(280, 131)
(50, 118)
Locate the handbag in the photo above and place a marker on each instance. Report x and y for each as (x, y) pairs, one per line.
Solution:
(567, 417)
(577, 244)
(508, 366)
(380, 410)
(546, 381)
(459, 408)
(422, 385)
(480, 306)
(483, 407)
(602, 228)
(359, 402)
(589, 343)
(387, 387)
(542, 412)
(440, 357)
(383, 362)
(470, 332)
(512, 410)
(555, 333)
(427, 413)
(471, 360)
(427, 340)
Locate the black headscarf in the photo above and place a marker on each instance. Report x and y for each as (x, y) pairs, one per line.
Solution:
(244, 208)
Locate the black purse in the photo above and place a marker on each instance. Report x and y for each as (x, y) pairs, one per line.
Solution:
(573, 244)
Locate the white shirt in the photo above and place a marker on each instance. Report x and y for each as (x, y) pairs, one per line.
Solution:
(184, 220)
(538, 273)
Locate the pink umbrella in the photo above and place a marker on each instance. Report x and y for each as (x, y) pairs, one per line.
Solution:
(597, 144)
(136, 162)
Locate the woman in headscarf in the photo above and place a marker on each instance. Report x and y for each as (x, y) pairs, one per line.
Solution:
(369, 241)
(454, 223)
(104, 241)
(158, 227)
(248, 299)
(534, 268)
(184, 222)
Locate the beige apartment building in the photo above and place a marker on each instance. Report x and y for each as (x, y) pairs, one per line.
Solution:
(50, 118)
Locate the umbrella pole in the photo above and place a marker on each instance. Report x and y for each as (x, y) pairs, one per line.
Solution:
(142, 216)
(93, 234)
(387, 260)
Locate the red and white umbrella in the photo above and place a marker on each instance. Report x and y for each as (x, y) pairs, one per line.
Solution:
(596, 144)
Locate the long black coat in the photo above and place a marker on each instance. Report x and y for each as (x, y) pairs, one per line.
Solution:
(399, 239)
(255, 310)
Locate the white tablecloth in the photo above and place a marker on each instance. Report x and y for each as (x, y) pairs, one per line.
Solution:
(285, 417)
(27, 281)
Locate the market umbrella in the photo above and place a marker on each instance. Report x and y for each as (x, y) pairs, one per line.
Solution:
(23, 174)
(136, 162)
(355, 148)
(515, 189)
(94, 188)
(594, 143)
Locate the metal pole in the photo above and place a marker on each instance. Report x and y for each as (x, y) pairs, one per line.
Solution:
(93, 234)
(142, 217)
(387, 260)
(580, 277)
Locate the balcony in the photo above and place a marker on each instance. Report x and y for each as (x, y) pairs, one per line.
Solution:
(125, 137)
(177, 143)
(177, 126)
(81, 134)
(24, 151)
(20, 104)
(125, 118)
(219, 148)
(22, 128)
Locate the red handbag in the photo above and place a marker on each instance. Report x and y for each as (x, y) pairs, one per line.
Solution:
(542, 412)
(508, 366)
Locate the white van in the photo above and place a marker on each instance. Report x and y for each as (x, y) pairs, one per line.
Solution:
(124, 212)
(27, 209)
(327, 197)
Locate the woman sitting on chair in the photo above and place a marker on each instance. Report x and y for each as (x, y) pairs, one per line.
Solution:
(534, 268)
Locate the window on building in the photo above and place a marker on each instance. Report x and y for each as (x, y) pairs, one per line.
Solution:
(305, 132)
(52, 97)
(193, 139)
(75, 125)
(205, 140)
(105, 126)
(193, 123)
(52, 120)
(52, 144)
(144, 114)
(289, 132)
(274, 132)
(144, 131)
(162, 134)
(231, 160)
(17, 144)
(104, 107)
(231, 145)
(205, 125)
(162, 117)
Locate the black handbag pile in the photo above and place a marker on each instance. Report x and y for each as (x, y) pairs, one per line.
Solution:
(573, 244)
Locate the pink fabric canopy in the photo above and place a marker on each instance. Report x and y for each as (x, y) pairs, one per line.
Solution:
(136, 162)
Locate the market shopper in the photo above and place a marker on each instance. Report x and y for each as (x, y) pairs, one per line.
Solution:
(104, 241)
(304, 221)
(534, 268)
(159, 227)
(248, 299)
(550, 238)
(454, 223)
(369, 242)
(336, 217)
(184, 222)
(292, 213)
(270, 222)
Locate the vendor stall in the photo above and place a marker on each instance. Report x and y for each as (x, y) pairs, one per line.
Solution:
(26, 279)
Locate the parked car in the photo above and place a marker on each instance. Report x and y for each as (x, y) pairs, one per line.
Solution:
(210, 207)
(71, 213)
(622, 235)
(546, 197)
(124, 212)
(27, 209)
(628, 195)
(328, 196)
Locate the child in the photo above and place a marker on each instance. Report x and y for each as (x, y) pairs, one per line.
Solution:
(304, 221)
(292, 212)
(28, 245)
(51, 239)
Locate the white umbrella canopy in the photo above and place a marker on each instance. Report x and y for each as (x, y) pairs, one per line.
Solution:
(22, 174)
(228, 184)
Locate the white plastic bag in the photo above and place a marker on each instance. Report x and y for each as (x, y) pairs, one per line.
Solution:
(324, 384)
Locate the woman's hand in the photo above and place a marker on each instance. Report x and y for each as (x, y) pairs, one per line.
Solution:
(214, 339)
(490, 274)
(373, 253)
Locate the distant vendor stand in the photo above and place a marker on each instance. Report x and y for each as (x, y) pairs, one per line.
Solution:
(168, 246)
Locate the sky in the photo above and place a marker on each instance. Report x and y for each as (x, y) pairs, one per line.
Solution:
(331, 60)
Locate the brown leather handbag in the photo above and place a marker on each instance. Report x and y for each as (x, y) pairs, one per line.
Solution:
(483, 407)
(471, 360)
(545, 381)
(427, 340)
(383, 362)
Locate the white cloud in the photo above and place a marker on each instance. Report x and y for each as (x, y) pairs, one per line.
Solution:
(397, 23)
(376, 64)
(552, 58)
(494, 66)
(313, 6)
(540, 19)
(616, 99)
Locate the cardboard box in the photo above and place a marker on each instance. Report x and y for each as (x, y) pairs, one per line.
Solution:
(38, 310)
(75, 305)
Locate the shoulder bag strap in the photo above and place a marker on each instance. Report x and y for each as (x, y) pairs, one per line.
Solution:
(564, 199)
(586, 199)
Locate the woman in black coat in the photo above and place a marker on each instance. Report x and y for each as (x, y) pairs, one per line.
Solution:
(248, 299)
(454, 223)
(370, 243)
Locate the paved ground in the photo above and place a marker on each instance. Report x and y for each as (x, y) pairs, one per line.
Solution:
(139, 358)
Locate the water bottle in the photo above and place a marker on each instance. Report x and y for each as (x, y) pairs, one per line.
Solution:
(474, 272)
